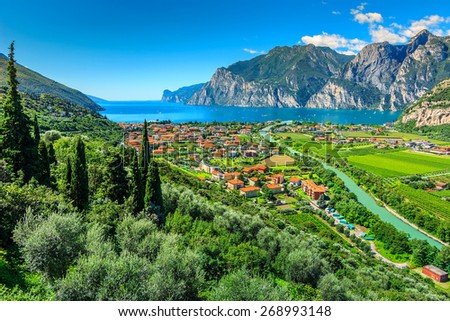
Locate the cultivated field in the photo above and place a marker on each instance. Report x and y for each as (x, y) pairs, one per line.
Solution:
(393, 134)
(400, 163)
(279, 160)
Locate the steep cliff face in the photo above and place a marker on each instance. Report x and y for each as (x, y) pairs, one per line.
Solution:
(285, 77)
(432, 109)
(181, 95)
(342, 94)
(228, 89)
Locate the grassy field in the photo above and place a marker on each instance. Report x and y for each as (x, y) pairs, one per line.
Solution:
(400, 163)
(295, 136)
(426, 201)
(393, 134)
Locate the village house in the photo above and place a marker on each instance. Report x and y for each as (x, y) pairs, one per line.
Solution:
(274, 188)
(253, 181)
(295, 181)
(277, 179)
(312, 190)
(250, 191)
(235, 184)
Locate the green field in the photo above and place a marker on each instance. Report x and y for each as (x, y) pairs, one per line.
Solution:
(295, 136)
(400, 163)
(393, 134)
(426, 201)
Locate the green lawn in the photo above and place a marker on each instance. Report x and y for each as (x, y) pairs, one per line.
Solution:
(396, 258)
(400, 163)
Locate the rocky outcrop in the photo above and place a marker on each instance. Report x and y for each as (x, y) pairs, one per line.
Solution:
(181, 95)
(432, 109)
(428, 117)
(228, 89)
(336, 95)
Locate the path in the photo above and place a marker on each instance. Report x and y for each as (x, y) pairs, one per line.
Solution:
(382, 258)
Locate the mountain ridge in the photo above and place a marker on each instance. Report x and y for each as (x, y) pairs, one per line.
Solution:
(381, 76)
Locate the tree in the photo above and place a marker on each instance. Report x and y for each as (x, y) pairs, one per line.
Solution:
(16, 144)
(153, 193)
(79, 188)
(137, 189)
(68, 175)
(51, 154)
(145, 152)
(37, 135)
(116, 179)
(331, 288)
(443, 258)
(49, 247)
(44, 165)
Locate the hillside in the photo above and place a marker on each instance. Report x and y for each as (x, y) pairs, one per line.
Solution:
(33, 83)
(70, 119)
(382, 76)
(432, 109)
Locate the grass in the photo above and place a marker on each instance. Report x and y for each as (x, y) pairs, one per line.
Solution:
(393, 134)
(400, 163)
(396, 258)
(298, 137)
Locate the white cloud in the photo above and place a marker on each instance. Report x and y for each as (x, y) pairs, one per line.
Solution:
(431, 23)
(336, 12)
(369, 17)
(335, 41)
(381, 34)
(254, 52)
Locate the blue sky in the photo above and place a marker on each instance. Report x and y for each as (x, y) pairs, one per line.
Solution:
(133, 50)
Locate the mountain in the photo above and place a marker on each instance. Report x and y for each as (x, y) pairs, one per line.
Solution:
(381, 76)
(181, 95)
(96, 100)
(284, 77)
(432, 109)
(34, 83)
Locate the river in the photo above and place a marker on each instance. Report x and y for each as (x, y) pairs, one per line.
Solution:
(370, 203)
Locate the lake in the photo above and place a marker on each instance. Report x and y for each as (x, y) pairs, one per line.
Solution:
(137, 111)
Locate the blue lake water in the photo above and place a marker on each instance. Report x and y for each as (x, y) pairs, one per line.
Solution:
(137, 111)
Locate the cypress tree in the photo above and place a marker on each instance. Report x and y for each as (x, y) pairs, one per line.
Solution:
(68, 175)
(116, 179)
(44, 165)
(16, 144)
(153, 192)
(51, 153)
(137, 189)
(79, 188)
(145, 152)
(37, 135)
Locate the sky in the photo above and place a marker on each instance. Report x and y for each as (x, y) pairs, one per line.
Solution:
(134, 49)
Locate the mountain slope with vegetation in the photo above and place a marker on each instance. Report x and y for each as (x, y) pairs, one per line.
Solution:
(381, 76)
(33, 83)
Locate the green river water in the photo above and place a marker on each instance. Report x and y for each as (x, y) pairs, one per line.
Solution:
(369, 202)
